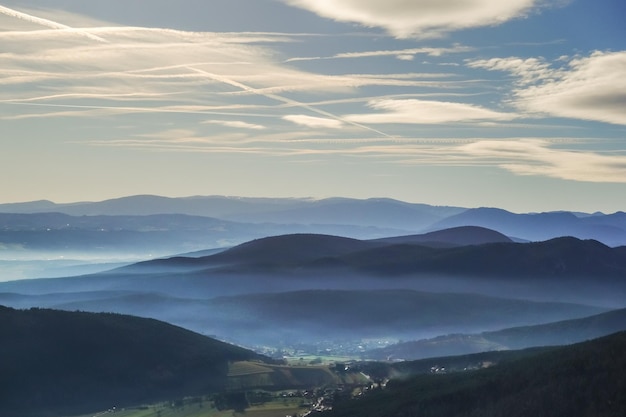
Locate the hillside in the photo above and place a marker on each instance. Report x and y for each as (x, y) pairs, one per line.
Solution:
(61, 363)
(551, 334)
(585, 379)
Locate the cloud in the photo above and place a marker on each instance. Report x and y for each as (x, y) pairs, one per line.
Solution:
(528, 70)
(587, 88)
(314, 122)
(236, 124)
(539, 157)
(413, 111)
(419, 18)
(520, 156)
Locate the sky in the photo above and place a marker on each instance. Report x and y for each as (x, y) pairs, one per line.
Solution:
(519, 104)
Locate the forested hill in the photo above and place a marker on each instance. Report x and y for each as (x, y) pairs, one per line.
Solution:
(586, 379)
(55, 363)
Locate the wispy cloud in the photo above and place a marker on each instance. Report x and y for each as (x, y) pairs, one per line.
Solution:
(413, 111)
(314, 122)
(539, 157)
(238, 124)
(587, 88)
(419, 18)
(520, 156)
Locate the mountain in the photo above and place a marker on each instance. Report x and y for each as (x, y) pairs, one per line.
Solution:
(327, 286)
(455, 236)
(57, 363)
(585, 379)
(391, 216)
(609, 229)
(381, 212)
(302, 249)
(27, 239)
(558, 258)
(561, 257)
(550, 334)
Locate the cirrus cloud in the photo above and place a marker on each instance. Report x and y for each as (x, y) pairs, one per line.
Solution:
(413, 111)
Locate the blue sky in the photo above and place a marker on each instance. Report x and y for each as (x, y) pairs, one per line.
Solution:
(518, 104)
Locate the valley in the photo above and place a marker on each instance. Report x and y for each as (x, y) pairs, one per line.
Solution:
(330, 315)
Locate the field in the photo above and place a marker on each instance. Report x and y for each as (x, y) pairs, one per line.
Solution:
(195, 407)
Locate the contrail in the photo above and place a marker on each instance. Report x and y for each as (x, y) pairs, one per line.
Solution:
(55, 25)
(48, 23)
(285, 100)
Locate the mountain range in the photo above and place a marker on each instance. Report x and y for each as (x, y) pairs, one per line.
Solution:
(305, 287)
(390, 216)
(75, 237)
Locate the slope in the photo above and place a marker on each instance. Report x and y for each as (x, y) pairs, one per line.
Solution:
(585, 379)
(55, 362)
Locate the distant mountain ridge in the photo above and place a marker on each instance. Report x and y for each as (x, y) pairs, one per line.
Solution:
(394, 216)
(609, 229)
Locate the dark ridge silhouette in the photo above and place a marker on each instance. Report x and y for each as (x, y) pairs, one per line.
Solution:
(586, 379)
(292, 249)
(558, 258)
(295, 249)
(455, 236)
(564, 257)
(57, 363)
